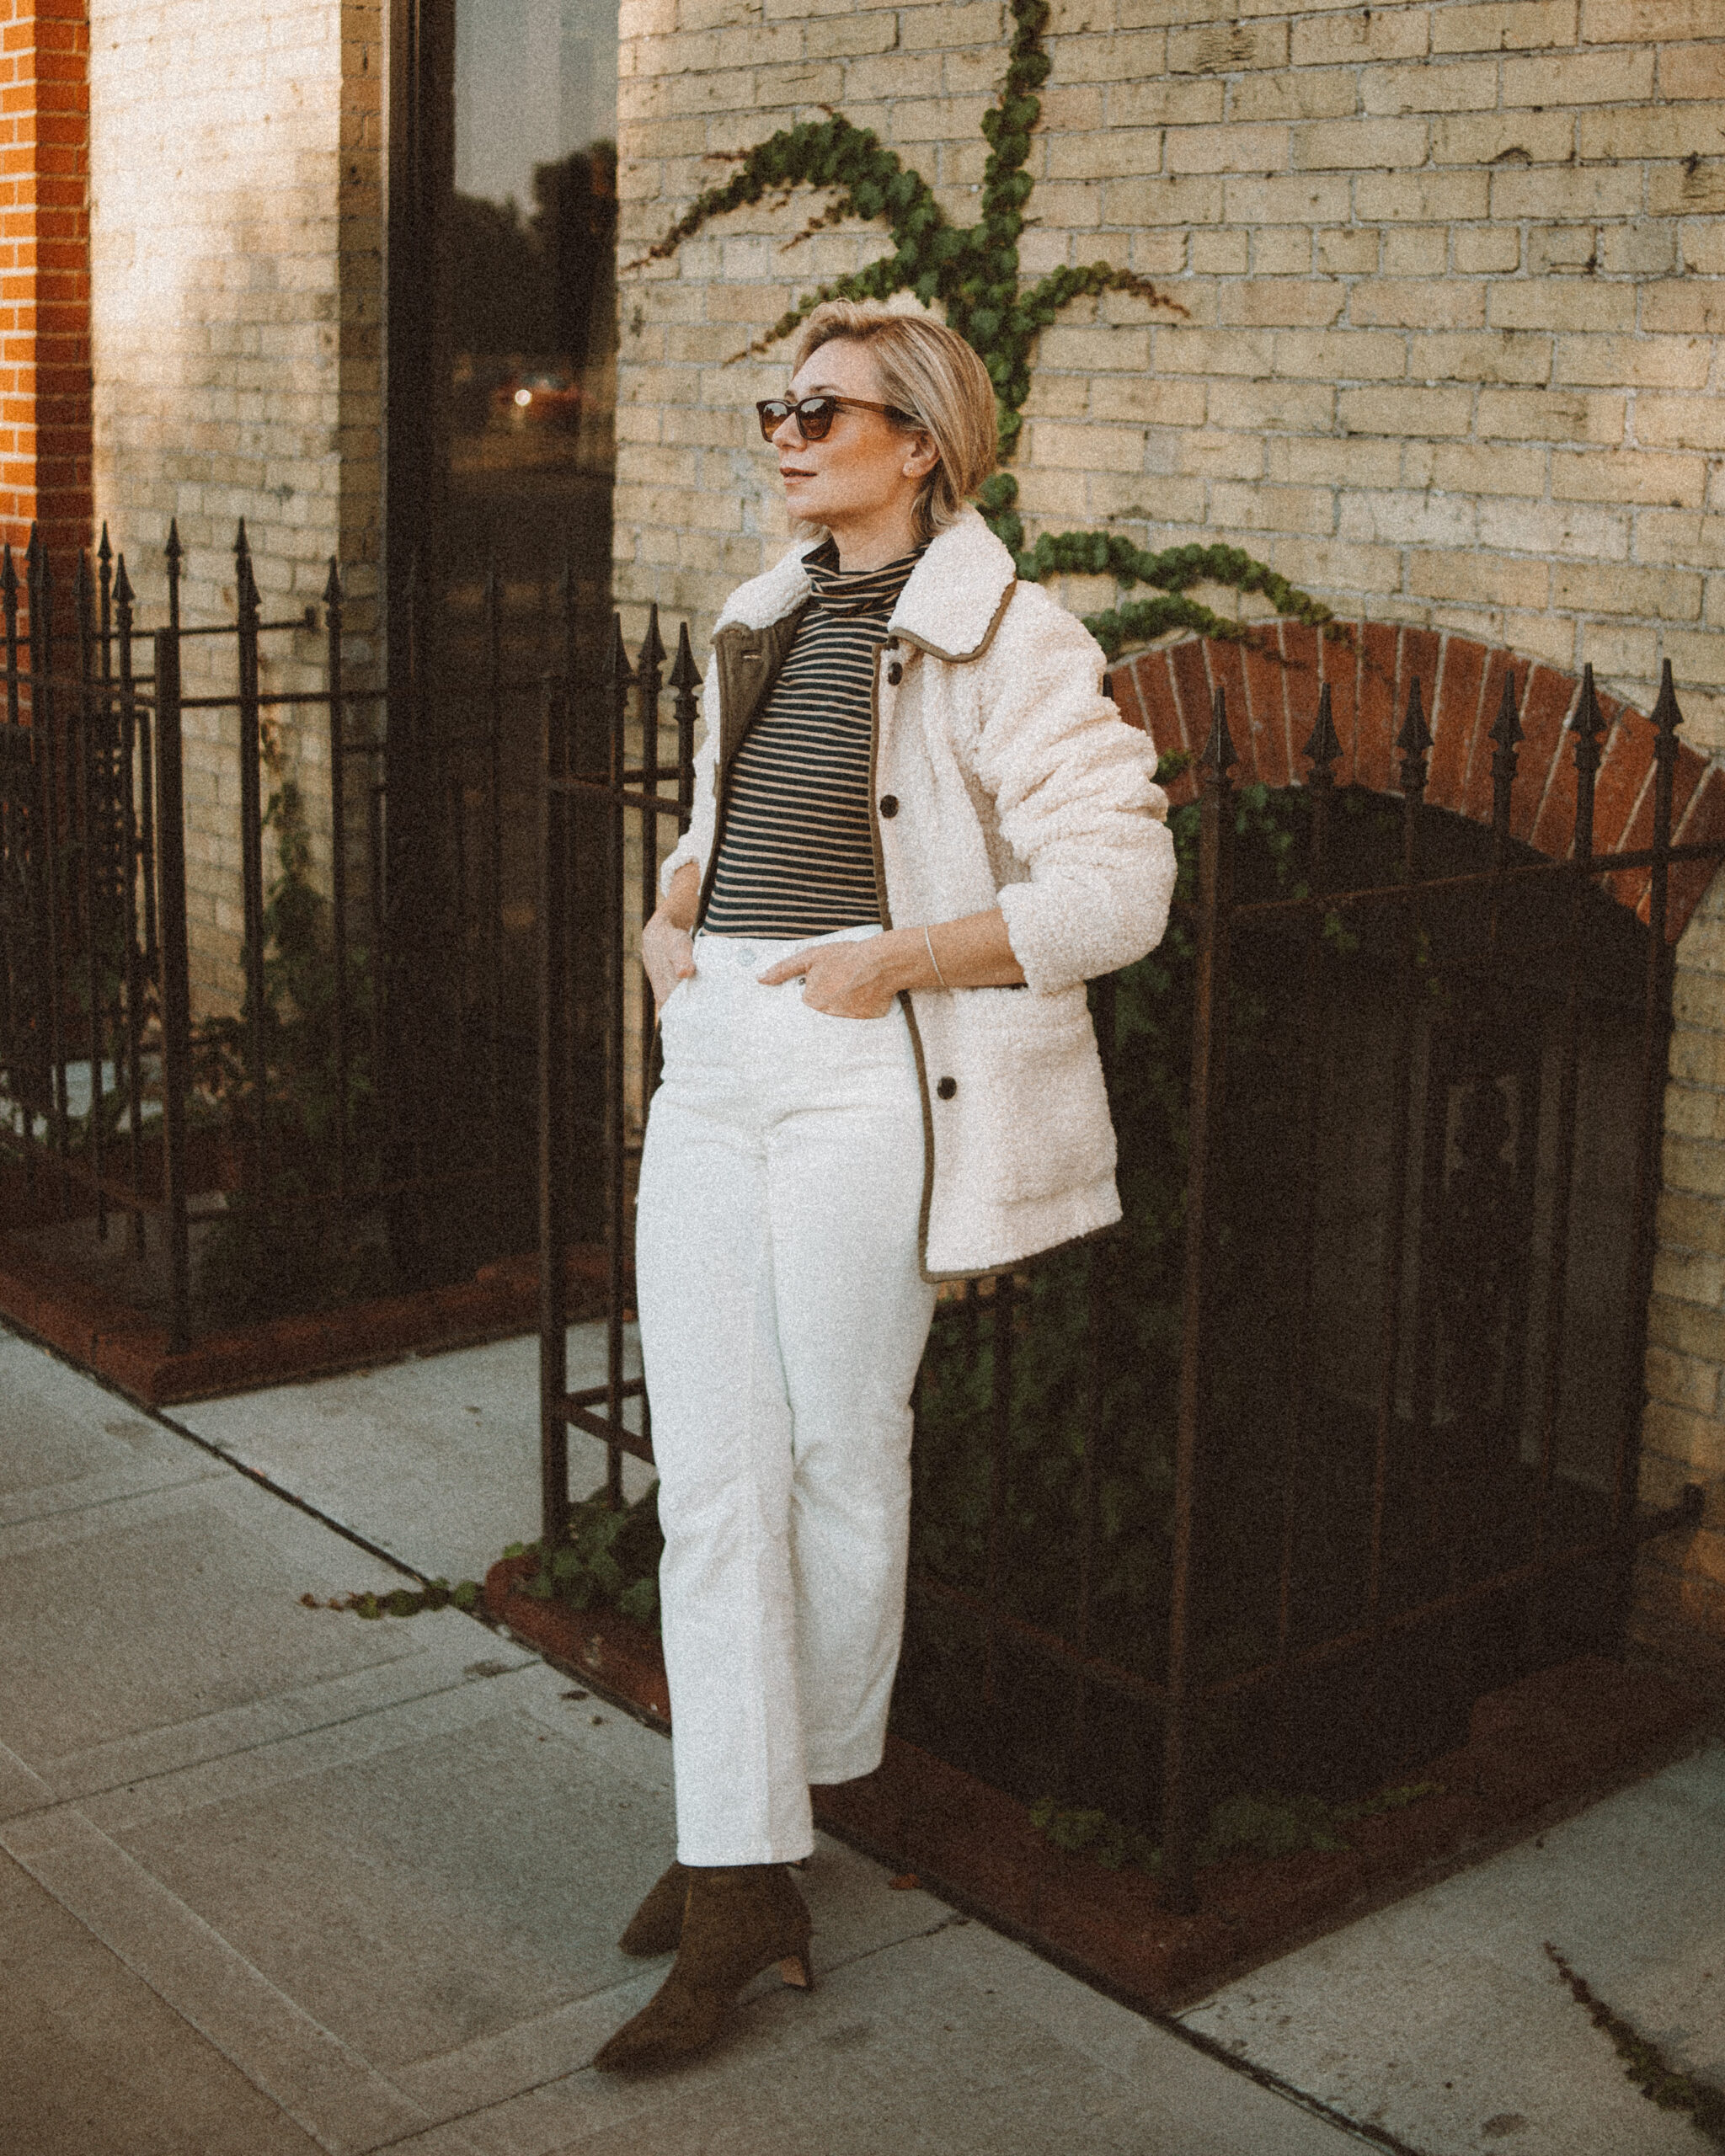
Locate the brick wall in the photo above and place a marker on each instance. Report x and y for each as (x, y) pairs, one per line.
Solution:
(1453, 276)
(237, 261)
(1680, 1603)
(1449, 286)
(44, 286)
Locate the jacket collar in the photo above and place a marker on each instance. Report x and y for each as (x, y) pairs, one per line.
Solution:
(950, 608)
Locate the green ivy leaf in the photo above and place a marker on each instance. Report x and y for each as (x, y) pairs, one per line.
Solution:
(976, 269)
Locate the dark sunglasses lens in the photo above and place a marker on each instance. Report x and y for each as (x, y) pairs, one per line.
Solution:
(814, 416)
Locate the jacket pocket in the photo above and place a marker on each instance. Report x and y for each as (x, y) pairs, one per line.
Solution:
(1038, 1122)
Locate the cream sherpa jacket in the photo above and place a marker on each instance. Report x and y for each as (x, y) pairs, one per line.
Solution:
(1002, 776)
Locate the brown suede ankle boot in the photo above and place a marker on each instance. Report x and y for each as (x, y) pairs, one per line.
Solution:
(657, 1926)
(736, 1923)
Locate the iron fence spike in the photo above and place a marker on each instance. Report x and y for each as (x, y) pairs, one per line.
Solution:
(1219, 750)
(1415, 738)
(332, 588)
(1666, 716)
(652, 644)
(1506, 728)
(1323, 748)
(621, 671)
(174, 550)
(122, 583)
(104, 552)
(1588, 724)
(685, 674)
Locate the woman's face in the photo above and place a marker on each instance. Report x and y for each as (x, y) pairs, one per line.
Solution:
(868, 466)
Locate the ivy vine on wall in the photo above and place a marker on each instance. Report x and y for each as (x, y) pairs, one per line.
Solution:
(973, 271)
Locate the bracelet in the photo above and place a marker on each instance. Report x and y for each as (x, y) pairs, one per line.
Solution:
(934, 961)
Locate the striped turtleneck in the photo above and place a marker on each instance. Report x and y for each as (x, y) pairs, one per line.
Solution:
(796, 854)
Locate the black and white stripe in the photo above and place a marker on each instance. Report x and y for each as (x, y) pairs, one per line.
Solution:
(797, 855)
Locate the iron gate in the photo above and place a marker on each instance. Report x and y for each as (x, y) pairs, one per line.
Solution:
(1340, 1429)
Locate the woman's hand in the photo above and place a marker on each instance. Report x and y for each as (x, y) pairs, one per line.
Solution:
(859, 979)
(668, 953)
(845, 980)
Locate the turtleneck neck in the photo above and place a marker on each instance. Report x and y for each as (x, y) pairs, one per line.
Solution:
(857, 591)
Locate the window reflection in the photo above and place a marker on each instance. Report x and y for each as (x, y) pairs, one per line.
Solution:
(533, 288)
(531, 232)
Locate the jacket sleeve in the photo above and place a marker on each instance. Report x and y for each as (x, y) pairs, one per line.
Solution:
(697, 842)
(1074, 795)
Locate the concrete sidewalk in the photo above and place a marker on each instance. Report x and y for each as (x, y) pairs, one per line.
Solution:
(273, 1879)
(1441, 2022)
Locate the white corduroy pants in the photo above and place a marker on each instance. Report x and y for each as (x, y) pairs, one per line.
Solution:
(782, 1315)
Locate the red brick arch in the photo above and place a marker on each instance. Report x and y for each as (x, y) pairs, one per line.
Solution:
(1271, 686)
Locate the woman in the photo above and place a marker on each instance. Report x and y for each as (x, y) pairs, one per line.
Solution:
(912, 800)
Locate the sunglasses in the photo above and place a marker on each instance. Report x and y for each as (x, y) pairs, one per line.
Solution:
(814, 415)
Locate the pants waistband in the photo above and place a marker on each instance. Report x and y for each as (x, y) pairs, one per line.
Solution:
(754, 952)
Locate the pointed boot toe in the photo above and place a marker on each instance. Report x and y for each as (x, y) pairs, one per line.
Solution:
(657, 1926)
(736, 1923)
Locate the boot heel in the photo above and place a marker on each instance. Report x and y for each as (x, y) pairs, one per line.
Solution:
(798, 1971)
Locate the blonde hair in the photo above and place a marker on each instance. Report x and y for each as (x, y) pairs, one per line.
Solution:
(929, 374)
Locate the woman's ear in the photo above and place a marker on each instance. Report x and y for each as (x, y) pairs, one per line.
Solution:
(922, 458)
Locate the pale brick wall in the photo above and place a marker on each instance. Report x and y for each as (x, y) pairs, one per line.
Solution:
(237, 272)
(1453, 283)
(1454, 276)
(1680, 1602)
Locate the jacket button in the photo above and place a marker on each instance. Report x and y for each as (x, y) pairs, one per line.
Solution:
(947, 1088)
(888, 804)
(895, 672)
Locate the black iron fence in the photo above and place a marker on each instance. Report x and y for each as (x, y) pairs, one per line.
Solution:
(1340, 1429)
(357, 1111)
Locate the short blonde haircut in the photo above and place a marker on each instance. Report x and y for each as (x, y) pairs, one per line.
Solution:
(929, 374)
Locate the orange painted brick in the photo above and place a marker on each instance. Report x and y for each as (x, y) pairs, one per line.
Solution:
(1378, 719)
(1339, 661)
(1554, 832)
(1267, 711)
(1227, 672)
(1159, 707)
(1121, 683)
(1501, 665)
(1299, 644)
(1622, 774)
(1547, 702)
(1686, 780)
(1416, 660)
(1629, 887)
(1191, 685)
(1455, 719)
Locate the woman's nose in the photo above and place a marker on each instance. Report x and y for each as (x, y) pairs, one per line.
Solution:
(788, 435)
